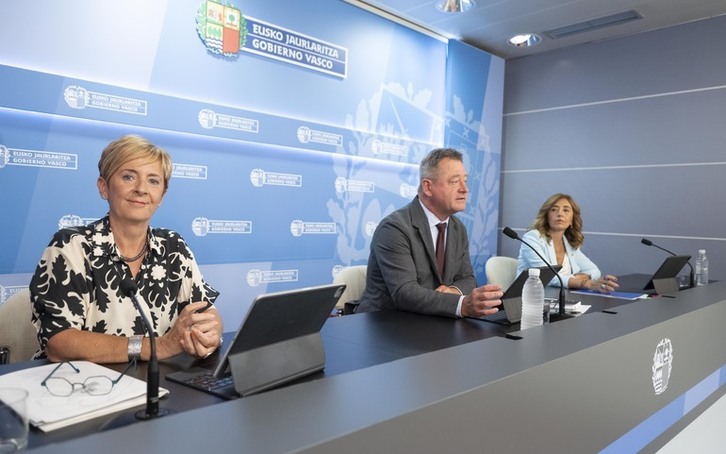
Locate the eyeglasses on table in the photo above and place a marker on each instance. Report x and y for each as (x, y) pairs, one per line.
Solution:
(96, 385)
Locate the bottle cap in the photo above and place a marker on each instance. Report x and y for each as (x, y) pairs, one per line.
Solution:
(701, 251)
(534, 272)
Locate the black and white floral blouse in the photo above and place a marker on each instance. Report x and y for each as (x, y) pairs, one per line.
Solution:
(76, 283)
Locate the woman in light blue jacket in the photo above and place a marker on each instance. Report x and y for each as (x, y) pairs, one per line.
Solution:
(557, 235)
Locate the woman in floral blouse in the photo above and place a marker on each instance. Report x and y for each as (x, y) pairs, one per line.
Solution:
(79, 308)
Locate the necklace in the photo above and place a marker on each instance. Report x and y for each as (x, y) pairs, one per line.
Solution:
(559, 247)
(134, 258)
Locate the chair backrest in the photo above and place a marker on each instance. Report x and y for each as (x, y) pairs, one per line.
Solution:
(501, 270)
(18, 337)
(355, 279)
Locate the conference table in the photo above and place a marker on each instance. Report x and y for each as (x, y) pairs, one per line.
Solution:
(399, 381)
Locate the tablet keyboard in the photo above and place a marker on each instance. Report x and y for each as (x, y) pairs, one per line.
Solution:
(205, 381)
(208, 382)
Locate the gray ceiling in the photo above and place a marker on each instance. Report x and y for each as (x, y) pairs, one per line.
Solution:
(491, 22)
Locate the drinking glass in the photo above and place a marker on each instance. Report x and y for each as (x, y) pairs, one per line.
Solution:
(13, 420)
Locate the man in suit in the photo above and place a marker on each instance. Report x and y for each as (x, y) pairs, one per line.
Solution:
(403, 270)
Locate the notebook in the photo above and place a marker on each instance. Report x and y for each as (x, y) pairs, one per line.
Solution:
(510, 311)
(668, 271)
(278, 341)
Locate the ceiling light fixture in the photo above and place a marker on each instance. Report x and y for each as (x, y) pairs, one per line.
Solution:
(524, 40)
(455, 6)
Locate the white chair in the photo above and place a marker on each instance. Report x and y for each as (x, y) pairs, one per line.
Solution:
(354, 277)
(18, 337)
(501, 270)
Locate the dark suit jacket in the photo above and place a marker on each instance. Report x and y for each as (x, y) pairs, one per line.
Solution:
(402, 271)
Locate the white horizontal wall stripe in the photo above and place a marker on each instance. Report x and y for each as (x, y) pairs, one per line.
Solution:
(649, 236)
(611, 101)
(639, 235)
(635, 166)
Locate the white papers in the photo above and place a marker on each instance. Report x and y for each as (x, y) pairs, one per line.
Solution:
(48, 412)
(571, 308)
(632, 296)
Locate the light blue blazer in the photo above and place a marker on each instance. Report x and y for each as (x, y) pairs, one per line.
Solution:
(578, 261)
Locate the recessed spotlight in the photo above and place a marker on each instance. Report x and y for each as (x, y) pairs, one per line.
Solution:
(455, 6)
(524, 40)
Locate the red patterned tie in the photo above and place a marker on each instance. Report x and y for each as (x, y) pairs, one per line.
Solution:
(441, 246)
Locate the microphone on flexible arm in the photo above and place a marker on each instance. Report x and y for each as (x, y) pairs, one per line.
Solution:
(691, 282)
(561, 300)
(128, 288)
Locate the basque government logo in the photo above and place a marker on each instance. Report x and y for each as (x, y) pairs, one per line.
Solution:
(225, 31)
(76, 97)
(257, 177)
(200, 226)
(222, 27)
(71, 220)
(4, 156)
(662, 365)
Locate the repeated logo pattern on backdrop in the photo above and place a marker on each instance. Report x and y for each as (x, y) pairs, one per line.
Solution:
(287, 151)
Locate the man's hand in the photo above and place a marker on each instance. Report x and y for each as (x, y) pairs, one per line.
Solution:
(482, 301)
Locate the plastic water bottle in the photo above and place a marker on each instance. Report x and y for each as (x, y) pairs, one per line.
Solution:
(702, 268)
(532, 300)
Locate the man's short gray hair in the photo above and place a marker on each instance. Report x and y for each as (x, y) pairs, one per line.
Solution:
(430, 163)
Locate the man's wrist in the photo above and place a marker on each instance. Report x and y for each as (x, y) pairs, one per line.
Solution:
(461, 308)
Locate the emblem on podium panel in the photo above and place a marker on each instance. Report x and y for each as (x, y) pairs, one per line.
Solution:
(662, 365)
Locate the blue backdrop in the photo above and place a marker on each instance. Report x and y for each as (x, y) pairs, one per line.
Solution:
(295, 127)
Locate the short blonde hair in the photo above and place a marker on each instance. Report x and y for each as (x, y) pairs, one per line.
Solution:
(128, 148)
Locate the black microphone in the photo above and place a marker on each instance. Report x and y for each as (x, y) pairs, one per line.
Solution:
(128, 288)
(561, 300)
(647, 242)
